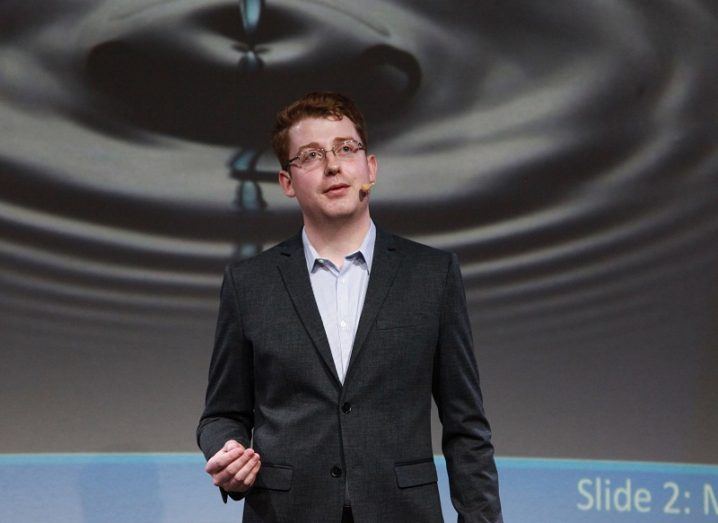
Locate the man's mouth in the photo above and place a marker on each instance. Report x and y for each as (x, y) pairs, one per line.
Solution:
(337, 187)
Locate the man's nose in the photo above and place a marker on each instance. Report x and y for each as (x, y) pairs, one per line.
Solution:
(332, 163)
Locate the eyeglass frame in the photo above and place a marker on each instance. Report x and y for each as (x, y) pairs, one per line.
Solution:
(325, 152)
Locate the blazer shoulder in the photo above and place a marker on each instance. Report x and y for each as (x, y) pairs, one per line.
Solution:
(260, 262)
(420, 259)
(419, 250)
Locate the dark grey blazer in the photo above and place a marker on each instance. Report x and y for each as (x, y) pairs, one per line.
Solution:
(272, 380)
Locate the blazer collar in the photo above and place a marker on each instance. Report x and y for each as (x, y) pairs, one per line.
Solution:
(386, 263)
(293, 268)
(366, 249)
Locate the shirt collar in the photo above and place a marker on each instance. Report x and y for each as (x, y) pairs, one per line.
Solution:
(365, 250)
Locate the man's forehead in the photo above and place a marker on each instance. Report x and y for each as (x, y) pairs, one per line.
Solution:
(321, 131)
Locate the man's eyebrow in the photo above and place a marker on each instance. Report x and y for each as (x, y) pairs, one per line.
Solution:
(310, 145)
(315, 145)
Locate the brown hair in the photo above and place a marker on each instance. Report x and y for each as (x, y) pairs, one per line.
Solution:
(314, 105)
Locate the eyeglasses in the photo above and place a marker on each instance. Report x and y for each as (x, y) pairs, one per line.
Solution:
(312, 157)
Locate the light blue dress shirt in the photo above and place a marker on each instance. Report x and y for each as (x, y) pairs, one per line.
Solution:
(339, 294)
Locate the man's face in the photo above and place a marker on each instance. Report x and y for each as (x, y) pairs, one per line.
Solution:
(332, 189)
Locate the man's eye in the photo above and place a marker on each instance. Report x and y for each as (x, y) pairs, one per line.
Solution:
(311, 155)
(347, 148)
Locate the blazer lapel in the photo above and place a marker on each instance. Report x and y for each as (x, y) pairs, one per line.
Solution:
(385, 265)
(293, 267)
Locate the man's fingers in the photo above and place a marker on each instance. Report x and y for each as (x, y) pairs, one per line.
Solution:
(242, 473)
(233, 467)
(249, 478)
(245, 477)
(232, 444)
(225, 474)
(223, 458)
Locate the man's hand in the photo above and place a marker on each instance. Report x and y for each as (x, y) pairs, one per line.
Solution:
(234, 468)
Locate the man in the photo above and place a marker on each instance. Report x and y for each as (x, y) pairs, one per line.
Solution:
(329, 347)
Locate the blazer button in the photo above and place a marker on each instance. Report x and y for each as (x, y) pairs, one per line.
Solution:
(347, 408)
(336, 472)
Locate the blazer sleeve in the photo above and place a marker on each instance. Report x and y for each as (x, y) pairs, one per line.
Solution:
(229, 402)
(466, 435)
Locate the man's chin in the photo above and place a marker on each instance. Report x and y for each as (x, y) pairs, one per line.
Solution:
(342, 212)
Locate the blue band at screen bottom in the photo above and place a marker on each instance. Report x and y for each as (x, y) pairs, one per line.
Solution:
(152, 488)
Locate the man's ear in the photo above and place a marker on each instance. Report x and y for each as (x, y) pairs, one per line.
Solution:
(373, 167)
(285, 180)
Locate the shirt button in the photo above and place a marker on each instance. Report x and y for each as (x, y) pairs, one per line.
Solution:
(347, 408)
(336, 472)
(343, 324)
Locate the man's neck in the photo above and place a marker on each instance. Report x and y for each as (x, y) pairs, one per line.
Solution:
(335, 240)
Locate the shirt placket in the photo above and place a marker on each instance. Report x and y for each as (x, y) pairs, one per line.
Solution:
(344, 316)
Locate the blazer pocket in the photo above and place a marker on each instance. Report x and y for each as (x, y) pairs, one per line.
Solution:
(274, 477)
(415, 473)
